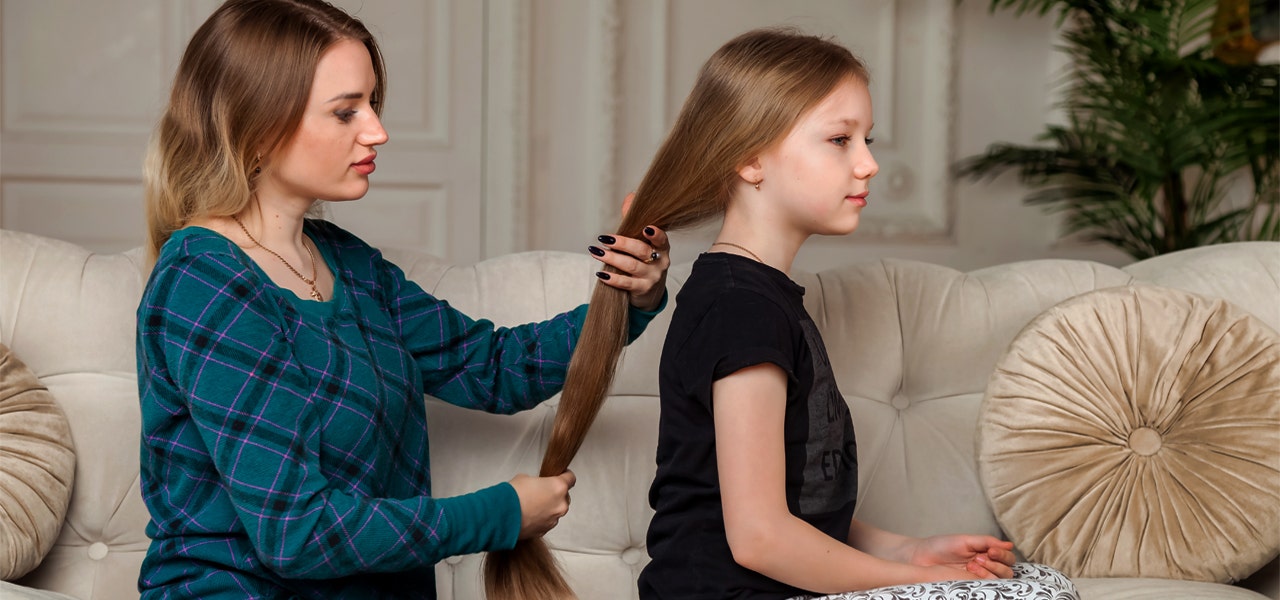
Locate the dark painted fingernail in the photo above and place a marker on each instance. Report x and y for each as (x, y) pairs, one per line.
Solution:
(606, 239)
(650, 231)
(602, 275)
(596, 251)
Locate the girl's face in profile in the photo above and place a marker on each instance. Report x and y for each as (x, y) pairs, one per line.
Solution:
(331, 155)
(819, 175)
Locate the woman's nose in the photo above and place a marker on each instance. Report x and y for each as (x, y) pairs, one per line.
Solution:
(374, 134)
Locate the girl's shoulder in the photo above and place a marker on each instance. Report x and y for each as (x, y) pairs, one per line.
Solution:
(717, 275)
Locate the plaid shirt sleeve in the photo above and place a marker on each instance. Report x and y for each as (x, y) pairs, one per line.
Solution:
(224, 358)
(474, 364)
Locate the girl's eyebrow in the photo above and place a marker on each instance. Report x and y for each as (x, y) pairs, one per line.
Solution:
(849, 122)
(346, 96)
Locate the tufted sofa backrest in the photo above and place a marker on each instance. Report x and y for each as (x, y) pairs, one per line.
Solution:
(69, 315)
(912, 346)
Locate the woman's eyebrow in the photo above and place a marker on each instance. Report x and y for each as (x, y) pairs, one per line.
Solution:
(346, 96)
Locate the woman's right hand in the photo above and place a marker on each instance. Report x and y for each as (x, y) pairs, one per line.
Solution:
(543, 501)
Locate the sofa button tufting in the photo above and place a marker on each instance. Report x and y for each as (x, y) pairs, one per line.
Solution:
(97, 551)
(633, 556)
(900, 402)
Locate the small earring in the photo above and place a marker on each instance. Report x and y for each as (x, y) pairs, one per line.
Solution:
(257, 170)
(758, 184)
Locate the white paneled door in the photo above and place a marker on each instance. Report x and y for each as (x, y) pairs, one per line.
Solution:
(85, 81)
(613, 74)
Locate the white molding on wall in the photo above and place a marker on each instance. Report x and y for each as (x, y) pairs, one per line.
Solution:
(107, 215)
(431, 127)
(600, 209)
(412, 216)
(887, 78)
(909, 47)
(505, 173)
(26, 119)
(915, 183)
(660, 71)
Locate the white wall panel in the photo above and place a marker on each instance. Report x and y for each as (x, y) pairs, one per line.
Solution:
(433, 114)
(505, 179)
(939, 70)
(907, 47)
(522, 123)
(84, 83)
(101, 215)
(112, 83)
(402, 217)
(417, 42)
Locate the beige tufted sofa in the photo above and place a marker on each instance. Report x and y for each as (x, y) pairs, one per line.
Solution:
(912, 345)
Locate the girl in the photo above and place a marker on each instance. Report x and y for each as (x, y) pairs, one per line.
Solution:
(757, 462)
(282, 362)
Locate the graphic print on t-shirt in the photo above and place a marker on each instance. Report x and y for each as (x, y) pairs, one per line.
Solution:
(831, 453)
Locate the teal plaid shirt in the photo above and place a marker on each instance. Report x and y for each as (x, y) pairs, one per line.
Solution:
(284, 441)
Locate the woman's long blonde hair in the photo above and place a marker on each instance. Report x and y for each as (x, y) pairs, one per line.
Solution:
(239, 93)
(747, 97)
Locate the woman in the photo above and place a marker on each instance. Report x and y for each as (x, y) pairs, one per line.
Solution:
(282, 361)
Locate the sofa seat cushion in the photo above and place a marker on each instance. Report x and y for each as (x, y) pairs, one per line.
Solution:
(37, 468)
(1135, 588)
(1135, 432)
(11, 591)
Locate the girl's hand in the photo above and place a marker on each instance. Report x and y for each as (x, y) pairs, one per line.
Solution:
(982, 556)
(543, 501)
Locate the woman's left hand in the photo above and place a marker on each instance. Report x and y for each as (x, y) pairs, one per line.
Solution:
(641, 265)
(983, 555)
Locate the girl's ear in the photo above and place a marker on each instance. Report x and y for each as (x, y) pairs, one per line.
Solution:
(751, 171)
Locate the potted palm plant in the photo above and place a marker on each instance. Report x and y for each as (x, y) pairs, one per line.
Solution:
(1166, 145)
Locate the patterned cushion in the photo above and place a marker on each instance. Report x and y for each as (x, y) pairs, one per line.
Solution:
(1135, 432)
(37, 466)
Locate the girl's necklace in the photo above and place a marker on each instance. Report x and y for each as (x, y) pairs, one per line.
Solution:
(315, 293)
(742, 248)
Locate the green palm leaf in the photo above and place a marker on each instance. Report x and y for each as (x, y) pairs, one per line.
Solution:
(1158, 130)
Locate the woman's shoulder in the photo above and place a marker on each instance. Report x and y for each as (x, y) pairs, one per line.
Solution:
(192, 243)
(348, 246)
(197, 267)
(328, 232)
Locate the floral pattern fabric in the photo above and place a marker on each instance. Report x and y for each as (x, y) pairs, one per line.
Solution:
(1030, 582)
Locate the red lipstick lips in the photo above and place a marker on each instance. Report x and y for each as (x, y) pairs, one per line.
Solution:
(365, 166)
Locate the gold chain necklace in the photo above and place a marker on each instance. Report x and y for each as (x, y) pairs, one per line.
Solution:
(742, 248)
(315, 293)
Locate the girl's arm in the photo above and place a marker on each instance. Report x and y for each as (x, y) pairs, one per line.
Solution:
(982, 555)
(763, 535)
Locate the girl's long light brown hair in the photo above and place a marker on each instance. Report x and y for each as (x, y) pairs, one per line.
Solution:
(747, 97)
(239, 93)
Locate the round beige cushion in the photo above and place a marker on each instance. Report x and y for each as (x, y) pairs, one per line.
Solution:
(1135, 432)
(37, 467)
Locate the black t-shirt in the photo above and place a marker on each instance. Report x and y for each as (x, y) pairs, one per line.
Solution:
(733, 313)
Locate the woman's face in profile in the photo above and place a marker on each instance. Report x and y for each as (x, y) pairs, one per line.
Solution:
(330, 156)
